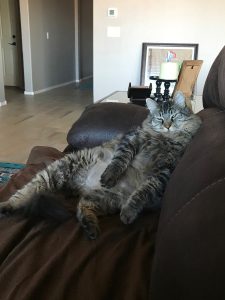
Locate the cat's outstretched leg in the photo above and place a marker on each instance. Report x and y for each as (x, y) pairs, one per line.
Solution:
(149, 195)
(87, 215)
(53, 178)
(22, 196)
(91, 206)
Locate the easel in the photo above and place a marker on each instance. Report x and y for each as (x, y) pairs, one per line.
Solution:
(187, 78)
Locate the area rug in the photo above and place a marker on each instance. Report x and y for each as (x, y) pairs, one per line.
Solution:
(7, 169)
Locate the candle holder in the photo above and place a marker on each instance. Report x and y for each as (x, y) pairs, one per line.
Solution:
(158, 96)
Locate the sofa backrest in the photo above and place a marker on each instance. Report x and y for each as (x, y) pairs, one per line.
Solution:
(190, 245)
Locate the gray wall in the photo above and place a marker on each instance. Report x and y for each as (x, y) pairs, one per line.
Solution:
(118, 60)
(53, 59)
(86, 38)
(2, 90)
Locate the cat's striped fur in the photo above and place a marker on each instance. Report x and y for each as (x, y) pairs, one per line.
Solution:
(127, 174)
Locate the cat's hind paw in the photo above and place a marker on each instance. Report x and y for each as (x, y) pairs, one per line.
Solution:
(92, 230)
(88, 222)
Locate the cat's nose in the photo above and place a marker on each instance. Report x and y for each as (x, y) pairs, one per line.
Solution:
(167, 124)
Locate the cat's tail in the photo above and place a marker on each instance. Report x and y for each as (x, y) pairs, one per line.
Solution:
(47, 206)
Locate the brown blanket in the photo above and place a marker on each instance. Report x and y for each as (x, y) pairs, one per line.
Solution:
(39, 261)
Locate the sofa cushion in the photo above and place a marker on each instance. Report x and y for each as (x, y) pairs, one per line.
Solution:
(44, 261)
(102, 122)
(214, 89)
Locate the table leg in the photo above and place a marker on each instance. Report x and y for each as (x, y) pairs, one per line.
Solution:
(166, 95)
(158, 95)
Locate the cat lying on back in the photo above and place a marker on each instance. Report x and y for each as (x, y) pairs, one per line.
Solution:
(126, 174)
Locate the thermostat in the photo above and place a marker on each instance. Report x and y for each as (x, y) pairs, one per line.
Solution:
(112, 12)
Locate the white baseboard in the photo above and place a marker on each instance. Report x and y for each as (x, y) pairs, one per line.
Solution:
(28, 93)
(2, 103)
(84, 78)
(48, 89)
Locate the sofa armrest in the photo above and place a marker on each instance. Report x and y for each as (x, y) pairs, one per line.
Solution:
(189, 259)
(102, 122)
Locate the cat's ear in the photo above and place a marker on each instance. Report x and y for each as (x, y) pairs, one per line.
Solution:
(152, 105)
(179, 99)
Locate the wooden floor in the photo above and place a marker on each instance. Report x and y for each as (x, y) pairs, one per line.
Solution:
(42, 119)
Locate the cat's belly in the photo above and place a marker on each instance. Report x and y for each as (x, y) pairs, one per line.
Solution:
(95, 171)
(135, 175)
(130, 181)
(94, 175)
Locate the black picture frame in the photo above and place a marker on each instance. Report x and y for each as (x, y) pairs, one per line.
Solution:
(153, 54)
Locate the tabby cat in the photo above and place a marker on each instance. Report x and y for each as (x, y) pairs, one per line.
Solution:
(126, 174)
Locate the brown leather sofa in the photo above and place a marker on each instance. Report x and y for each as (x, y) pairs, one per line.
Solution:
(177, 253)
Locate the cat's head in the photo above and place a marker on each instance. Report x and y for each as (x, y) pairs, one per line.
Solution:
(172, 117)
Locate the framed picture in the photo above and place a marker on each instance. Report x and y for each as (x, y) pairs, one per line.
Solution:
(153, 54)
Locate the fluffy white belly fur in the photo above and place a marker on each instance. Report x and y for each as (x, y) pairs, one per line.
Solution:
(94, 173)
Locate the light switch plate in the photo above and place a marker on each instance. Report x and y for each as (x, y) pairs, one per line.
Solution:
(112, 12)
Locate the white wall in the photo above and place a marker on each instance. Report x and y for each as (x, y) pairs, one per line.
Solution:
(2, 88)
(26, 44)
(117, 61)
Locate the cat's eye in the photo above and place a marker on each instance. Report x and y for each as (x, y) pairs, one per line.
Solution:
(173, 117)
(160, 120)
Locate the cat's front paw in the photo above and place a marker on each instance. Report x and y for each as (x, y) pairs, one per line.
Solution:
(108, 179)
(128, 214)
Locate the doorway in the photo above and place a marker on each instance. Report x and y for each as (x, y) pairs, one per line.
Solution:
(10, 12)
(85, 43)
(11, 43)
